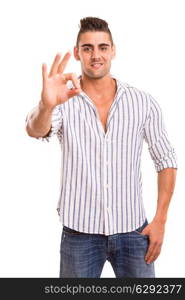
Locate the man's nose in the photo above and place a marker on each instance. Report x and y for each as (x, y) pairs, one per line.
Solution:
(95, 53)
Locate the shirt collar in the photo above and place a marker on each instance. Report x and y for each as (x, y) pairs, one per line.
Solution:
(121, 87)
(120, 84)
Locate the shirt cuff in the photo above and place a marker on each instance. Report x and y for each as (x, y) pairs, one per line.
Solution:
(168, 161)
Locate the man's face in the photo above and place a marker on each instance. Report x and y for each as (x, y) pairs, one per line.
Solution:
(95, 53)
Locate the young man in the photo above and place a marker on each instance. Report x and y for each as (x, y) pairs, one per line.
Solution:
(101, 124)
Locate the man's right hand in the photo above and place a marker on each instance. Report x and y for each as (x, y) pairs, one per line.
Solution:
(55, 90)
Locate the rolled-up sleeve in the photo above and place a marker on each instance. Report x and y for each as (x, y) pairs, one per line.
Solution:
(160, 148)
(56, 125)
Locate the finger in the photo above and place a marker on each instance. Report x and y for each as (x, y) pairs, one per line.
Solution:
(153, 253)
(55, 64)
(73, 78)
(44, 73)
(64, 62)
(152, 258)
(150, 251)
(145, 231)
(73, 92)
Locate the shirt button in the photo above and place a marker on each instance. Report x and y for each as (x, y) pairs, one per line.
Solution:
(107, 163)
(107, 186)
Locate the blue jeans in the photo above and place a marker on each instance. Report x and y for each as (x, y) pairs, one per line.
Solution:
(83, 255)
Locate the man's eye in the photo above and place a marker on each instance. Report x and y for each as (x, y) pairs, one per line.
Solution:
(87, 49)
(103, 48)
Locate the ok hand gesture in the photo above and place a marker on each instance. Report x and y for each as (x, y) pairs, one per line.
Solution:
(55, 90)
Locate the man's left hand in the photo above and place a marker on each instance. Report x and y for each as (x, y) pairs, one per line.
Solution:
(155, 232)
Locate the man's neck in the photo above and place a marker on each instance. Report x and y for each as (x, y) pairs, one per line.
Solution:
(98, 87)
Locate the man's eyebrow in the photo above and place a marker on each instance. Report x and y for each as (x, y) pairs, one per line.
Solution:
(90, 45)
(104, 44)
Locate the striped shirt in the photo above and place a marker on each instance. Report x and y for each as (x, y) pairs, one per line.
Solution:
(101, 182)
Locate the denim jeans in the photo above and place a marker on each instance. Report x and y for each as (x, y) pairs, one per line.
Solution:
(83, 255)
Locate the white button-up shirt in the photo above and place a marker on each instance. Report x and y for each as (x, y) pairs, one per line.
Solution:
(101, 182)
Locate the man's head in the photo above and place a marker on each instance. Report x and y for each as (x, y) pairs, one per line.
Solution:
(94, 47)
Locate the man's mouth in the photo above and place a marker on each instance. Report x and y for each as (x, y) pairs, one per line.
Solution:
(96, 65)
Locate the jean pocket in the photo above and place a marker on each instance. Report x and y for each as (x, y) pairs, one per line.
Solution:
(140, 229)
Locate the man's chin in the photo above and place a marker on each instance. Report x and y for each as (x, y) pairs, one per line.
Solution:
(96, 75)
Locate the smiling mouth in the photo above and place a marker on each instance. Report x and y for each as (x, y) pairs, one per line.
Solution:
(96, 65)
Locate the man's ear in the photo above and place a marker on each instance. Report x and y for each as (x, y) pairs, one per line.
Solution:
(75, 51)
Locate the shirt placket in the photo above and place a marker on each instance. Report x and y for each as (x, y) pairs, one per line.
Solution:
(106, 188)
(107, 209)
(105, 142)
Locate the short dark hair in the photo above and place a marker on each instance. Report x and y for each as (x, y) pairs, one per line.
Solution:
(93, 24)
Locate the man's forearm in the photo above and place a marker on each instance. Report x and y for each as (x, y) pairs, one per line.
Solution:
(39, 121)
(166, 185)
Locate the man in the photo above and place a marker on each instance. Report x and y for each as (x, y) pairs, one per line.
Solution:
(101, 124)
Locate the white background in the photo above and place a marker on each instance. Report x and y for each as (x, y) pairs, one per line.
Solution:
(149, 36)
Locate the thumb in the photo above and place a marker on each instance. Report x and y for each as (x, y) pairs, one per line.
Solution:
(73, 92)
(145, 231)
